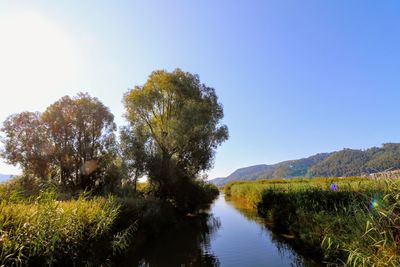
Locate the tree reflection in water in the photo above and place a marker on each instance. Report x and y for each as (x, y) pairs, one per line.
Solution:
(187, 244)
(297, 257)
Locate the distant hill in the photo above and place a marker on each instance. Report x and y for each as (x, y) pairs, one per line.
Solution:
(4, 177)
(346, 162)
(218, 181)
(286, 169)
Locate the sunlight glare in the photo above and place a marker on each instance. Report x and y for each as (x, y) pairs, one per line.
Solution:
(37, 58)
(38, 61)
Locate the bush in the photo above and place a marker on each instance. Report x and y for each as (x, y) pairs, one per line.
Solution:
(192, 196)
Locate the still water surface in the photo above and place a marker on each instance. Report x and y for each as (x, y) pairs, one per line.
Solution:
(226, 236)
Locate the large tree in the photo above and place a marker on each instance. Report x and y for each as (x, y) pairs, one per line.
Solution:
(26, 144)
(175, 121)
(81, 130)
(72, 142)
(132, 148)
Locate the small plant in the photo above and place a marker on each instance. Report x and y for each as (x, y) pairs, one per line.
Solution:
(123, 239)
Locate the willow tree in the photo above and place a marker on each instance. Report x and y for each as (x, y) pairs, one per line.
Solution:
(71, 143)
(81, 130)
(177, 121)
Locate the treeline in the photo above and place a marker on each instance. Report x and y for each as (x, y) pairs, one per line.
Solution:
(346, 162)
(57, 212)
(350, 162)
(172, 132)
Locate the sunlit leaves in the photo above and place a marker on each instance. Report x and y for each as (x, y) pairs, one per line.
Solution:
(180, 120)
(58, 143)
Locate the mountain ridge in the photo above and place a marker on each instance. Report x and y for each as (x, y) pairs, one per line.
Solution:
(345, 162)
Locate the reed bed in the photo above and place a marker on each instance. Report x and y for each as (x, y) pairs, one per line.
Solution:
(343, 221)
(42, 230)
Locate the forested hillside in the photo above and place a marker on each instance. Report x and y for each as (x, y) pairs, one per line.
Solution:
(346, 162)
(350, 162)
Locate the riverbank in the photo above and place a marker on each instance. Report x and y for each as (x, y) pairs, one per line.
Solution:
(44, 226)
(221, 236)
(343, 221)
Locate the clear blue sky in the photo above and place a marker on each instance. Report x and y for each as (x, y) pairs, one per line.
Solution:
(295, 77)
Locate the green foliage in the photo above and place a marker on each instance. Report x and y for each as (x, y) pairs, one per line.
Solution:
(386, 158)
(37, 228)
(17, 189)
(71, 143)
(380, 240)
(350, 162)
(194, 195)
(133, 151)
(347, 162)
(344, 163)
(25, 143)
(356, 223)
(122, 239)
(80, 131)
(44, 230)
(69, 154)
(286, 169)
(174, 129)
(295, 168)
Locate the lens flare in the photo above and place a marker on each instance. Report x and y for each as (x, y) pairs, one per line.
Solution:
(89, 167)
(374, 204)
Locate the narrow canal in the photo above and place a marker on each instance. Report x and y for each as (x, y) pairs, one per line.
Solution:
(226, 236)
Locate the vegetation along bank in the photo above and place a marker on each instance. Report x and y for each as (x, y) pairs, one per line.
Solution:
(79, 200)
(351, 221)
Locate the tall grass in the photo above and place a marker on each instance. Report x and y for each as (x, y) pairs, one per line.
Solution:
(380, 243)
(354, 222)
(46, 230)
(39, 225)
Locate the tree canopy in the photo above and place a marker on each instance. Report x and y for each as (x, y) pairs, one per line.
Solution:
(174, 127)
(71, 143)
(26, 143)
(176, 119)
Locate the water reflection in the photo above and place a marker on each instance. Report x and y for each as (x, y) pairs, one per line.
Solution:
(187, 244)
(230, 235)
(295, 257)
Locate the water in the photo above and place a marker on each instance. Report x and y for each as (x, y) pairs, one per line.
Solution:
(226, 236)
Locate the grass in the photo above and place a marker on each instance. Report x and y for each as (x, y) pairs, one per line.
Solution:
(354, 223)
(45, 230)
(40, 225)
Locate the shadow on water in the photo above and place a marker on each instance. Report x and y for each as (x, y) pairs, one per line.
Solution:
(228, 235)
(186, 244)
(284, 245)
